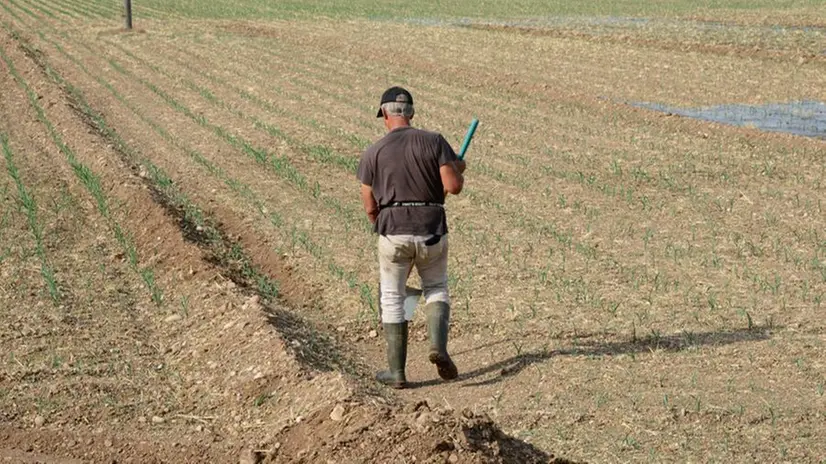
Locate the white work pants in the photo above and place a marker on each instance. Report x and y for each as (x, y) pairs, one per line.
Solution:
(397, 255)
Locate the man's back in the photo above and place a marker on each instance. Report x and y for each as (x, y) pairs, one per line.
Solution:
(404, 167)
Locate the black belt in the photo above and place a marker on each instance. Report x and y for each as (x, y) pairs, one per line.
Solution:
(412, 203)
(432, 240)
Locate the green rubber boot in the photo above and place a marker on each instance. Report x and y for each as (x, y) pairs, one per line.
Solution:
(396, 336)
(438, 318)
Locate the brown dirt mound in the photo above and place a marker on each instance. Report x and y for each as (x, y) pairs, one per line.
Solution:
(343, 433)
(415, 433)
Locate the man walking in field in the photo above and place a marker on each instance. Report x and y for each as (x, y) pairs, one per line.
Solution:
(405, 177)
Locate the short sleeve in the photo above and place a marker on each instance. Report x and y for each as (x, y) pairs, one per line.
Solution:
(366, 169)
(444, 152)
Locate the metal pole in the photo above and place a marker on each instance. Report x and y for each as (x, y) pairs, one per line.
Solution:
(127, 6)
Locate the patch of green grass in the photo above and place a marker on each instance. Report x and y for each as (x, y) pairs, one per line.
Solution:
(66, 9)
(258, 9)
(56, 361)
(630, 442)
(29, 205)
(4, 223)
(45, 405)
(260, 399)
(184, 303)
(58, 9)
(148, 276)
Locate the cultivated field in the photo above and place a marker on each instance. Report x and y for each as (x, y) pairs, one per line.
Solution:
(187, 275)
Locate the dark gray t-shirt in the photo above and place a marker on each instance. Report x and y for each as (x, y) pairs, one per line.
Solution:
(402, 167)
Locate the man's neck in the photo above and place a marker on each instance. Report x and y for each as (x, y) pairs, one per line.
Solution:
(397, 123)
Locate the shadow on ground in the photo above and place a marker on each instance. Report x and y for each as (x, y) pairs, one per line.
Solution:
(653, 342)
(508, 449)
(311, 346)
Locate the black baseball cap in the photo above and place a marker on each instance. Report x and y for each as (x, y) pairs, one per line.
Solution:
(395, 94)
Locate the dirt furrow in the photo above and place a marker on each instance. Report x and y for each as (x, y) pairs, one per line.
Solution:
(94, 279)
(278, 165)
(92, 182)
(290, 238)
(252, 130)
(202, 304)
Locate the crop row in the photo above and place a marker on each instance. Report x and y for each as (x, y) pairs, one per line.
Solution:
(679, 177)
(29, 204)
(293, 233)
(89, 179)
(302, 240)
(193, 215)
(505, 211)
(546, 229)
(347, 163)
(522, 220)
(586, 249)
(639, 175)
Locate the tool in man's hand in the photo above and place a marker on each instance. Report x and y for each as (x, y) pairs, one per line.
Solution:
(468, 137)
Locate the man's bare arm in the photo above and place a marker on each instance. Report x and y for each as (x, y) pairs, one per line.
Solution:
(452, 176)
(370, 205)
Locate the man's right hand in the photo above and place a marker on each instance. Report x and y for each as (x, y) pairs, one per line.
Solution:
(461, 165)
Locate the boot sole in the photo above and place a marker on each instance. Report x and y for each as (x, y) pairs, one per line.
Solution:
(444, 366)
(397, 384)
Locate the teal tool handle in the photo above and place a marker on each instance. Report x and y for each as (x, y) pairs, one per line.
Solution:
(471, 130)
